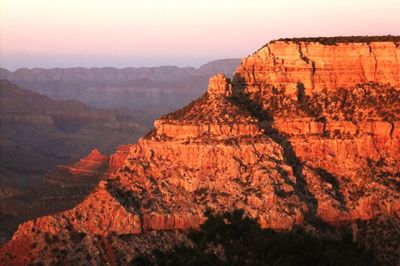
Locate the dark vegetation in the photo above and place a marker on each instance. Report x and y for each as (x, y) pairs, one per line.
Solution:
(126, 198)
(383, 171)
(232, 239)
(342, 39)
(369, 101)
(207, 109)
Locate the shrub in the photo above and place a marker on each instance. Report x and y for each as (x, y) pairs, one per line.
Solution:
(232, 239)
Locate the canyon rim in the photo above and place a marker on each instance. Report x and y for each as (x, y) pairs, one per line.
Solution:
(306, 134)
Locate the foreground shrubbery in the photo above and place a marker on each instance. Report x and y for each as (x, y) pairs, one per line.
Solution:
(230, 239)
(343, 39)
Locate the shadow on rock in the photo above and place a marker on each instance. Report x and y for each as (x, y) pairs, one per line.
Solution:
(232, 239)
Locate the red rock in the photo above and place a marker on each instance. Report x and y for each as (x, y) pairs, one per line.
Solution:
(219, 84)
(118, 157)
(319, 66)
(283, 167)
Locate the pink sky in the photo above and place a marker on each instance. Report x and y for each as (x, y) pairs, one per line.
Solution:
(120, 33)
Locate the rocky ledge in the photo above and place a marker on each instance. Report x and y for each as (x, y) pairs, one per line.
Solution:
(214, 116)
(313, 155)
(323, 64)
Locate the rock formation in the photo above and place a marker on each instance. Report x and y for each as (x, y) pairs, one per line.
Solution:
(319, 66)
(37, 134)
(60, 190)
(304, 135)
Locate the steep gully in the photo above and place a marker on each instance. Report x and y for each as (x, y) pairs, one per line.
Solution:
(267, 126)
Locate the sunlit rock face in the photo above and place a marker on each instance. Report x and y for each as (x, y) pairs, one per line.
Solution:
(287, 148)
(219, 85)
(320, 66)
(336, 103)
(61, 189)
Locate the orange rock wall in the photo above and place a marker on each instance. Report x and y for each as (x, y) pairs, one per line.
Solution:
(118, 157)
(320, 66)
(181, 130)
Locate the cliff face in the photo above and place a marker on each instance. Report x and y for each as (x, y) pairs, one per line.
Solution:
(337, 104)
(318, 66)
(60, 190)
(282, 148)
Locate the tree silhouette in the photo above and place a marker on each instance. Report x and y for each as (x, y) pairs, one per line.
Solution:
(232, 239)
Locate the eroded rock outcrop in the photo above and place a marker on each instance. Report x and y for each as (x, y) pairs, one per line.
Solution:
(61, 189)
(213, 115)
(93, 164)
(311, 157)
(319, 66)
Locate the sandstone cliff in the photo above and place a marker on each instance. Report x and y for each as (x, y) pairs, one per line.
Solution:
(319, 66)
(287, 149)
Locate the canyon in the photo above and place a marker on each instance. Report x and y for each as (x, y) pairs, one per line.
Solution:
(60, 189)
(148, 92)
(305, 134)
(39, 133)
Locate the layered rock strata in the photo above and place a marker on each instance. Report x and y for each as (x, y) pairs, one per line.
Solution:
(313, 155)
(319, 66)
(61, 189)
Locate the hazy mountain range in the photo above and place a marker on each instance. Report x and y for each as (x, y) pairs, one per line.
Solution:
(149, 92)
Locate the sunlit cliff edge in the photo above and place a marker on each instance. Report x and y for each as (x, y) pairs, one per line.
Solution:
(306, 133)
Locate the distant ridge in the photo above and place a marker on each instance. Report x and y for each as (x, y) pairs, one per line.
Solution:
(150, 91)
(126, 73)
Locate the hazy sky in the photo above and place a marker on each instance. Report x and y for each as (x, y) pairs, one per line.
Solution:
(120, 33)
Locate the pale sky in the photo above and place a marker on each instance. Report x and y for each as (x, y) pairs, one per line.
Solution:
(121, 33)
